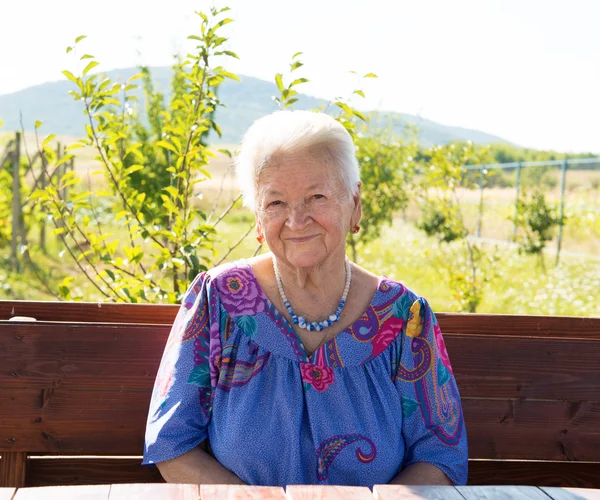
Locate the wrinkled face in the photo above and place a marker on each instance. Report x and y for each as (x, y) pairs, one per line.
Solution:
(303, 209)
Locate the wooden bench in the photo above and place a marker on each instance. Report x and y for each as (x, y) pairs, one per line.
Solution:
(75, 387)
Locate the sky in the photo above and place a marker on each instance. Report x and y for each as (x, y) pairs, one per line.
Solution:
(525, 70)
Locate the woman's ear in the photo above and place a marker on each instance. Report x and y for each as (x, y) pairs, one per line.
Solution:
(259, 228)
(357, 212)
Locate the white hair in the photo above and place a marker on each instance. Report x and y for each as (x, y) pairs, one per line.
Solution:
(285, 132)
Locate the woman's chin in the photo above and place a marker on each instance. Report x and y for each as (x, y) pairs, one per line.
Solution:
(305, 257)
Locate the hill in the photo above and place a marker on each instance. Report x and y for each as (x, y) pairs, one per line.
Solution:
(245, 102)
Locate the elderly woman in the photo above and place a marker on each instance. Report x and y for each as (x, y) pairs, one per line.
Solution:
(298, 366)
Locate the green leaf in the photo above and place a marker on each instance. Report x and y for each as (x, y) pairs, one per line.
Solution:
(223, 22)
(409, 406)
(401, 307)
(279, 81)
(200, 376)
(172, 191)
(289, 102)
(71, 77)
(227, 53)
(79, 38)
(86, 56)
(194, 37)
(69, 49)
(248, 325)
(133, 168)
(370, 75)
(229, 75)
(167, 145)
(359, 114)
(442, 373)
(47, 140)
(299, 81)
(360, 93)
(90, 67)
(135, 77)
(296, 55)
(296, 65)
(38, 124)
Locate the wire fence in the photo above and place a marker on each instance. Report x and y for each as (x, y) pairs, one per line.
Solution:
(577, 191)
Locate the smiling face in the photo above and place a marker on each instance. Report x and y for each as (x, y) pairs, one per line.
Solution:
(304, 210)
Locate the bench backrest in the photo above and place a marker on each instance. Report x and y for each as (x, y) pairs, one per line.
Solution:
(76, 384)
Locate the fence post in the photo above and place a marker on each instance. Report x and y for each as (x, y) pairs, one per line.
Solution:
(479, 219)
(17, 215)
(563, 178)
(518, 188)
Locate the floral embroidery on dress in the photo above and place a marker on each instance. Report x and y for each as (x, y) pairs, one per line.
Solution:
(320, 377)
(239, 292)
(387, 334)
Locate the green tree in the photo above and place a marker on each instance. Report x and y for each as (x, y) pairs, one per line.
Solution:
(164, 240)
(536, 222)
(467, 267)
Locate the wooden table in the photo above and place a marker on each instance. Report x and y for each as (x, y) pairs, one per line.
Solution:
(296, 492)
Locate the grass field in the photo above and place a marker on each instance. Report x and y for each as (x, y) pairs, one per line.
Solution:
(403, 252)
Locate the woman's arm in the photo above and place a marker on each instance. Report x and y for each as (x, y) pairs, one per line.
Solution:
(421, 473)
(196, 467)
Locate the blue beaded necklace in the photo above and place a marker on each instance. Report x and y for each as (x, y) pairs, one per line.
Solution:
(314, 325)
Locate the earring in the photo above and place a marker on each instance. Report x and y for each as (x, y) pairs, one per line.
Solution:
(355, 229)
(260, 238)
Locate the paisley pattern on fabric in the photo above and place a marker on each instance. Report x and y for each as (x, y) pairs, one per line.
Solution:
(237, 373)
(332, 447)
(439, 400)
(423, 360)
(415, 321)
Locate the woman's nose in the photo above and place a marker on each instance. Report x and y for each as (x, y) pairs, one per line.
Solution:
(298, 218)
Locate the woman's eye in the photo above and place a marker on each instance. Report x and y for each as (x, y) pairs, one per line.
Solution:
(274, 203)
(319, 196)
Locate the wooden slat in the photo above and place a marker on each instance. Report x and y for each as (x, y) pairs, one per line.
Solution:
(498, 324)
(76, 422)
(572, 493)
(34, 355)
(501, 493)
(238, 492)
(154, 492)
(13, 467)
(89, 312)
(127, 357)
(520, 326)
(94, 492)
(534, 430)
(508, 472)
(308, 492)
(525, 368)
(69, 471)
(7, 493)
(84, 422)
(397, 491)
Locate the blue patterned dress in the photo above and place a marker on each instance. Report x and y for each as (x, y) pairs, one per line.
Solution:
(378, 397)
